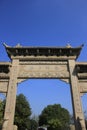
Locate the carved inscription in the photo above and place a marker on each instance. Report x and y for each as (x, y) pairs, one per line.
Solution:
(44, 71)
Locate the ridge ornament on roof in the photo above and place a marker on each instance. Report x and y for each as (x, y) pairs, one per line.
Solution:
(18, 45)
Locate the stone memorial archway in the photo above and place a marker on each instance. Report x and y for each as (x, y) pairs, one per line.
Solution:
(43, 62)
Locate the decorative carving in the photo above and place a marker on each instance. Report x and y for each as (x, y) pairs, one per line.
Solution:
(27, 62)
(44, 75)
(5, 45)
(18, 45)
(4, 76)
(68, 45)
(56, 52)
(43, 71)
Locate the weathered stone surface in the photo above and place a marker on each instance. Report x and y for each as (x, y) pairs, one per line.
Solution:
(83, 86)
(76, 101)
(11, 97)
(72, 127)
(43, 62)
(57, 52)
(3, 86)
(43, 71)
(15, 127)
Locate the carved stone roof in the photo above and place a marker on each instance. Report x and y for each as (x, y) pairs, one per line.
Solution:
(4, 67)
(19, 50)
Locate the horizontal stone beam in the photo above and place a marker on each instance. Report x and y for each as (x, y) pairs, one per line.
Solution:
(83, 87)
(3, 87)
(82, 76)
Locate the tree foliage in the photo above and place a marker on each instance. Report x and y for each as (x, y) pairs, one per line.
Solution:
(54, 116)
(33, 124)
(1, 112)
(22, 113)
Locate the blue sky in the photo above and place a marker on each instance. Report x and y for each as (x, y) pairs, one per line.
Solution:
(44, 23)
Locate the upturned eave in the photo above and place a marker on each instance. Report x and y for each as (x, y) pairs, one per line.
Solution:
(18, 51)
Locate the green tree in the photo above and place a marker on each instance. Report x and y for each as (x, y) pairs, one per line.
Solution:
(2, 107)
(22, 113)
(1, 112)
(85, 115)
(33, 124)
(54, 116)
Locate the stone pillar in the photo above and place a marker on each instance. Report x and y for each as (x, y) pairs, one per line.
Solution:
(72, 127)
(15, 127)
(11, 97)
(76, 101)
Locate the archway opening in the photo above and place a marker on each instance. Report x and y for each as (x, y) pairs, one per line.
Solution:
(2, 96)
(43, 92)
